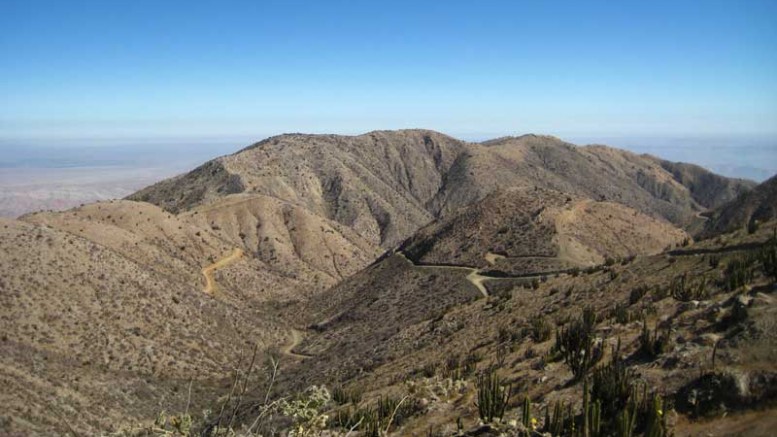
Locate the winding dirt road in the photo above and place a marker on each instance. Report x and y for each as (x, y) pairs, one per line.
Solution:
(477, 279)
(296, 339)
(210, 287)
(207, 272)
(473, 277)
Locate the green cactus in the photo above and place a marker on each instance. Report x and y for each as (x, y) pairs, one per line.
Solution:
(527, 413)
(627, 420)
(492, 397)
(656, 421)
(576, 344)
(554, 423)
(596, 419)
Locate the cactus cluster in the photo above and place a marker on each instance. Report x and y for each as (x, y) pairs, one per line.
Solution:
(343, 396)
(652, 343)
(493, 396)
(615, 403)
(637, 293)
(540, 329)
(739, 272)
(685, 291)
(768, 256)
(374, 421)
(577, 344)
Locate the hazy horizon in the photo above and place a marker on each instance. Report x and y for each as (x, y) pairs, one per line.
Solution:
(164, 86)
(744, 157)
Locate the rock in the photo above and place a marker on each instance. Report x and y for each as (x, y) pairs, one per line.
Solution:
(716, 393)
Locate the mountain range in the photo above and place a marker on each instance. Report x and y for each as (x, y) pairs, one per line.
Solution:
(370, 263)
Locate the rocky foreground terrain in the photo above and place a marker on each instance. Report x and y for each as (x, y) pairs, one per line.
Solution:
(400, 283)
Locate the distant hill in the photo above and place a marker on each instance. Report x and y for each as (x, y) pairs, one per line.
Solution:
(385, 185)
(707, 188)
(525, 230)
(757, 205)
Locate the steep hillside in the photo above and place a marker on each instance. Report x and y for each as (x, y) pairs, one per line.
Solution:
(386, 185)
(685, 325)
(377, 184)
(128, 292)
(94, 337)
(289, 252)
(758, 205)
(524, 230)
(286, 238)
(708, 189)
(596, 172)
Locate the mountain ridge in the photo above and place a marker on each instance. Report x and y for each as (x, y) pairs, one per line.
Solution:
(387, 184)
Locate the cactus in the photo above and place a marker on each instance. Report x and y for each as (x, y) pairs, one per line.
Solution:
(586, 408)
(492, 397)
(527, 413)
(554, 423)
(683, 290)
(596, 419)
(651, 344)
(627, 420)
(592, 413)
(656, 422)
(540, 330)
(576, 344)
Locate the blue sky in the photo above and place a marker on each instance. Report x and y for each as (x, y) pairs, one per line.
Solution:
(247, 69)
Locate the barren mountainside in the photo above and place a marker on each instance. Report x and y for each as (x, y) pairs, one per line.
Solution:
(387, 184)
(386, 266)
(525, 230)
(756, 206)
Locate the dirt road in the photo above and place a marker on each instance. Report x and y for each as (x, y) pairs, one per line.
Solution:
(207, 272)
(296, 339)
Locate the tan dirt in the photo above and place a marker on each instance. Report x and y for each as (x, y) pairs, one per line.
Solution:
(492, 258)
(207, 272)
(296, 339)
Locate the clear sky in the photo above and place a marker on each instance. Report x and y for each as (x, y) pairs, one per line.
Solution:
(163, 68)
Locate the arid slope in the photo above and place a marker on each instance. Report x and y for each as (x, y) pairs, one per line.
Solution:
(385, 185)
(521, 231)
(93, 337)
(758, 205)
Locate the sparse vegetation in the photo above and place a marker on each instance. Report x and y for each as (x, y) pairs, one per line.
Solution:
(493, 396)
(409, 343)
(637, 293)
(540, 329)
(685, 291)
(577, 344)
(652, 343)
